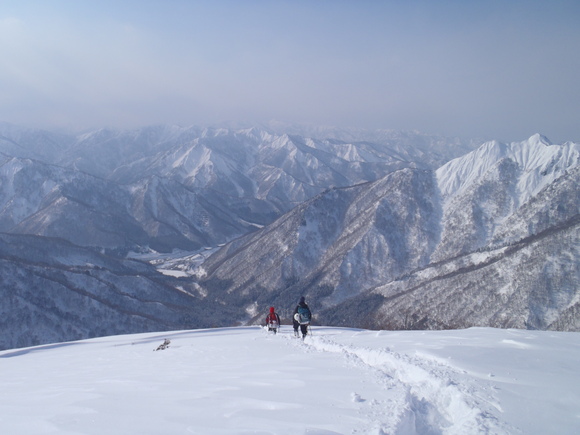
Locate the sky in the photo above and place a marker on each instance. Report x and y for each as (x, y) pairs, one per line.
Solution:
(496, 69)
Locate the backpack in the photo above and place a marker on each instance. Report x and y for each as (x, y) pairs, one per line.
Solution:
(272, 320)
(303, 315)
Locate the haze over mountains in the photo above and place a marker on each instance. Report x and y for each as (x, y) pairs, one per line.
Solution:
(376, 229)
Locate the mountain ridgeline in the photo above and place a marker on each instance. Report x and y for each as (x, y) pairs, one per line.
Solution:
(377, 229)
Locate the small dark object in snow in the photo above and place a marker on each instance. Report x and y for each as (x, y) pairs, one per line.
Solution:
(165, 345)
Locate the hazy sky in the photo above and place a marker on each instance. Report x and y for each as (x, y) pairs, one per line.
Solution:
(499, 69)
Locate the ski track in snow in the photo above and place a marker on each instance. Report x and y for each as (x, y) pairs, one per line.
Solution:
(432, 396)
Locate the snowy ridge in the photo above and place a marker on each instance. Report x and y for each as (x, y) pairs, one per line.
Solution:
(338, 381)
(494, 189)
(539, 163)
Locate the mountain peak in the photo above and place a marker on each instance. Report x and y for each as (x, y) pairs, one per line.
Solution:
(532, 156)
(539, 139)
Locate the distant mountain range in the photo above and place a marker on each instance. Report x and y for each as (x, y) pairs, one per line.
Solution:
(377, 229)
(188, 188)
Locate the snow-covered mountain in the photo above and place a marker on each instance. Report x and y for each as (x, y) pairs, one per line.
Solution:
(172, 187)
(338, 381)
(489, 239)
(378, 229)
(485, 193)
(47, 200)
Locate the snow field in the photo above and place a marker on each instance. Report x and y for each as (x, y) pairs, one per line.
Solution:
(338, 381)
(223, 381)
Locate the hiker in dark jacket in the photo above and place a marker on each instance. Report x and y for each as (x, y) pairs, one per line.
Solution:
(273, 320)
(302, 316)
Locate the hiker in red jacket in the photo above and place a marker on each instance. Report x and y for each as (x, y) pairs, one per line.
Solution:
(273, 321)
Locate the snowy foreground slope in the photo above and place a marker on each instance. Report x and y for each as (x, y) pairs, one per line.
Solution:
(338, 381)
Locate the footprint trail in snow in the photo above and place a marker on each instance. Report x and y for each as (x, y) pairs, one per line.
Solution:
(427, 394)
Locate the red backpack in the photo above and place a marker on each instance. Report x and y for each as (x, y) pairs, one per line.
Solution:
(273, 320)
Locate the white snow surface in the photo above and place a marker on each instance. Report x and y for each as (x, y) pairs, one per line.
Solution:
(338, 381)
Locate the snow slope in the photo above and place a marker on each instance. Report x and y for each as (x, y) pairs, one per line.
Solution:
(338, 381)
